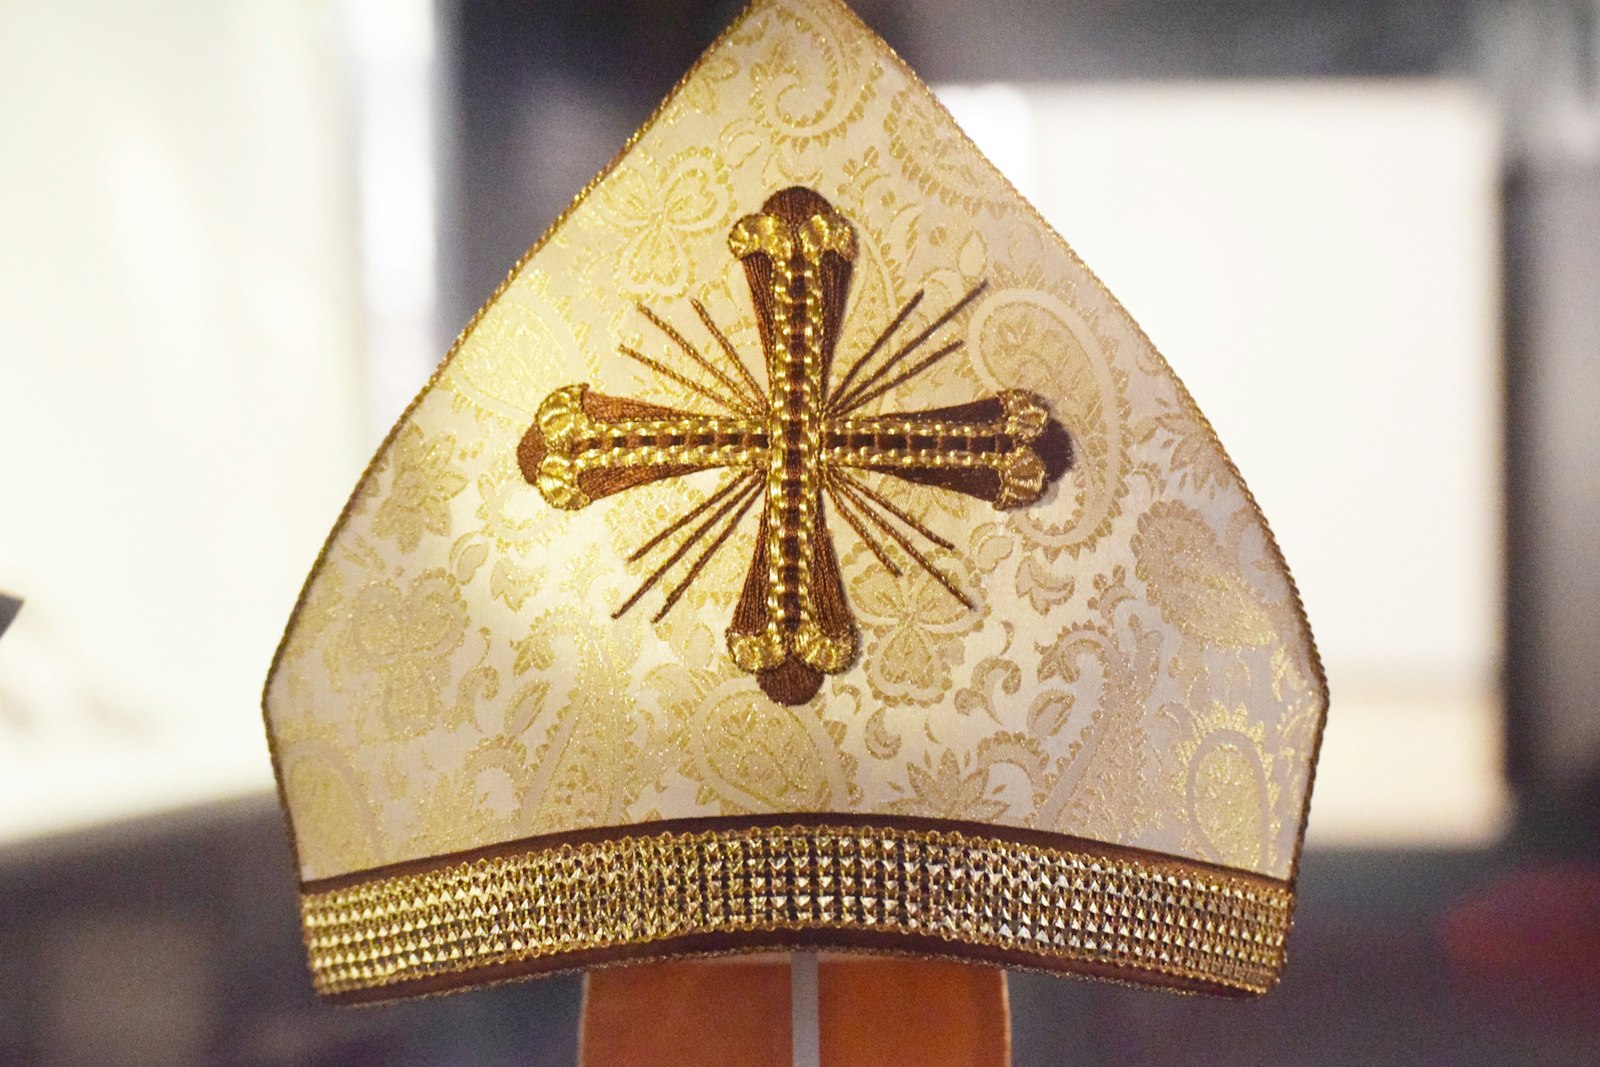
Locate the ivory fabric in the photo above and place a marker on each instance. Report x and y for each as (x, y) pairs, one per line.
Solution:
(1136, 668)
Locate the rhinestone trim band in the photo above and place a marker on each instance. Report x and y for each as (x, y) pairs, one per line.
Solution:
(1148, 920)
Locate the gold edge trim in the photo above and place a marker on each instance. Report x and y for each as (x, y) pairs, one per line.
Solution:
(1315, 656)
(433, 379)
(1052, 908)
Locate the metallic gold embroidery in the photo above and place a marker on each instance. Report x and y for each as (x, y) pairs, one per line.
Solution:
(1142, 920)
(795, 446)
(744, 755)
(1089, 390)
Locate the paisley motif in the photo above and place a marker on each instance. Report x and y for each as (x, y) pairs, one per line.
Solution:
(932, 153)
(318, 782)
(1036, 339)
(1195, 581)
(806, 89)
(1102, 784)
(749, 755)
(1227, 788)
(509, 355)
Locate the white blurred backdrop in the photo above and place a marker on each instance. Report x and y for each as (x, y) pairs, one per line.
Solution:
(182, 391)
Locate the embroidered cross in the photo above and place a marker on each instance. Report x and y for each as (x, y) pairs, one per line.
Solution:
(797, 448)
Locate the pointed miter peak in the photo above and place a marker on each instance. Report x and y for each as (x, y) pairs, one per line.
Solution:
(799, 468)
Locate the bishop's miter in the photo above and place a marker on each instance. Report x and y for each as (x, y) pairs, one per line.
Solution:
(800, 548)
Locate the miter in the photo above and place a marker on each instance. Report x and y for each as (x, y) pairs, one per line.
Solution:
(801, 548)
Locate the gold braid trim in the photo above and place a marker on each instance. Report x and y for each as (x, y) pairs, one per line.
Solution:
(514, 911)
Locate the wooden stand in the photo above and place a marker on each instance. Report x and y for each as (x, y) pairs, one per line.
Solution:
(751, 1011)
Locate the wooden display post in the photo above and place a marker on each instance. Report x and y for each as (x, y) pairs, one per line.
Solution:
(799, 1010)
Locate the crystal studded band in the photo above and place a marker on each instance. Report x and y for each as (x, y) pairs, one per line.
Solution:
(547, 905)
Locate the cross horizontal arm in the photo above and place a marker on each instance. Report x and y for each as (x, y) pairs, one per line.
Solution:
(1004, 449)
(585, 445)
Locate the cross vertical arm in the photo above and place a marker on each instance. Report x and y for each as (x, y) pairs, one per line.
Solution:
(792, 624)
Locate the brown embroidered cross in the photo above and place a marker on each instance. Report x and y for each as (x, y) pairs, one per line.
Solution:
(800, 440)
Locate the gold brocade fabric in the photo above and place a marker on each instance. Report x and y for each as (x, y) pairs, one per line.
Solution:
(1117, 654)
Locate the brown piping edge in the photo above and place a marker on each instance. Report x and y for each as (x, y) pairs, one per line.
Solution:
(821, 934)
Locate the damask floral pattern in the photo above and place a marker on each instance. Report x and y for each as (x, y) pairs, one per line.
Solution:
(326, 792)
(1080, 376)
(914, 631)
(931, 151)
(947, 791)
(795, 106)
(1200, 465)
(392, 657)
(660, 210)
(1227, 787)
(425, 481)
(1103, 782)
(745, 753)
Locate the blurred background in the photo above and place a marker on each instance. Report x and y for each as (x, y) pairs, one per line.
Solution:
(235, 237)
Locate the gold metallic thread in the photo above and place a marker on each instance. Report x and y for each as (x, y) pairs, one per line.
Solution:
(1144, 919)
